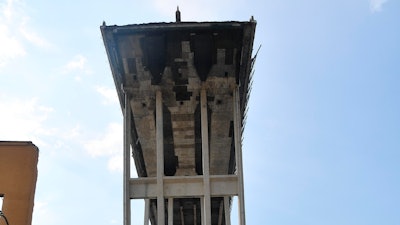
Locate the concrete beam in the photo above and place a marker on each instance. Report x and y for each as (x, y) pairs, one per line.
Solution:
(185, 186)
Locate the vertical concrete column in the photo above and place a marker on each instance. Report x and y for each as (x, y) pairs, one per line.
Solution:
(182, 216)
(220, 212)
(146, 211)
(206, 158)
(237, 122)
(227, 211)
(202, 210)
(160, 159)
(194, 214)
(170, 211)
(127, 160)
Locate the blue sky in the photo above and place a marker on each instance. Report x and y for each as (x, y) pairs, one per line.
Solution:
(322, 139)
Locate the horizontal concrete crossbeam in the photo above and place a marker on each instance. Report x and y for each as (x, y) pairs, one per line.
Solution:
(183, 186)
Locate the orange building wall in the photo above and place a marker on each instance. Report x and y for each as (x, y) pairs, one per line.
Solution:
(18, 175)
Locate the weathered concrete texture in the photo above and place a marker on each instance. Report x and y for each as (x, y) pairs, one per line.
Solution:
(18, 174)
(181, 61)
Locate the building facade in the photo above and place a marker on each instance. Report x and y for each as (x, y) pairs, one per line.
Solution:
(18, 175)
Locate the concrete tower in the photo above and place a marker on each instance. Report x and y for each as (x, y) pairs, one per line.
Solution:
(183, 89)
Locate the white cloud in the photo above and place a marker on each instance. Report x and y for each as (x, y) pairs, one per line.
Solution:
(78, 65)
(73, 133)
(42, 213)
(23, 119)
(376, 5)
(109, 145)
(15, 32)
(10, 9)
(33, 37)
(109, 95)
(10, 46)
(115, 162)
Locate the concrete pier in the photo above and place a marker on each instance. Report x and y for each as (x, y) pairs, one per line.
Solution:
(183, 88)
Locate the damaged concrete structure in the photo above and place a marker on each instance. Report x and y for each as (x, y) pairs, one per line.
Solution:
(183, 89)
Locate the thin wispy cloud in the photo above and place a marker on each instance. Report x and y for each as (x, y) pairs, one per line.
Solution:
(108, 144)
(10, 9)
(16, 34)
(376, 5)
(32, 37)
(23, 119)
(78, 65)
(72, 133)
(42, 213)
(109, 95)
(10, 46)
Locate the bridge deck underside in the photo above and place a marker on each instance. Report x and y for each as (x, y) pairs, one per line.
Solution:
(181, 59)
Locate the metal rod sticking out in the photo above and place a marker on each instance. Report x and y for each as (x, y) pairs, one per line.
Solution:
(178, 15)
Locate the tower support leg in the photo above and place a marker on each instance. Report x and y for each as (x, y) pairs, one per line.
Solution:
(127, 162)
(146, 211)
(206, 158)
(227, 211)
(160, 160)
(237, 122)
(170, 211)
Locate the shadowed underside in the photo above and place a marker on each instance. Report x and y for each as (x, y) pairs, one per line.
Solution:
(181, 59)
